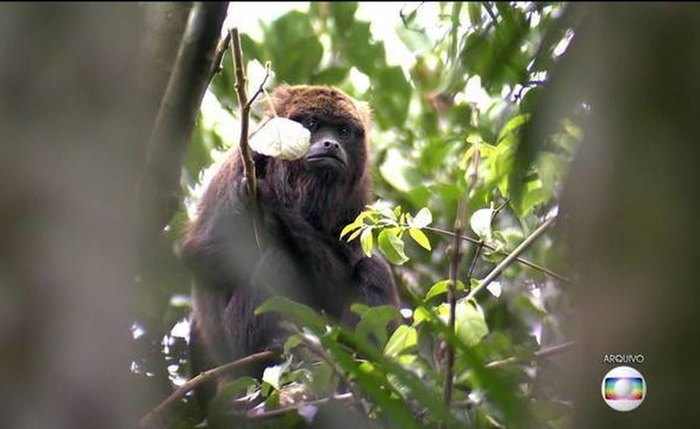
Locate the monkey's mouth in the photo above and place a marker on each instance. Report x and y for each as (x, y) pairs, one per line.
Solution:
(326, 160)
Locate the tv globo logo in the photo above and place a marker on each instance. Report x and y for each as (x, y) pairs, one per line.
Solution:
(623, 388)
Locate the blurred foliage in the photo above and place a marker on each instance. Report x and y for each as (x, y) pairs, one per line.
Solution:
(471, 87)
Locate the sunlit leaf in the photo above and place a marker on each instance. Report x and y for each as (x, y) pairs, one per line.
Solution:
(294, 311)
(404, 338)
(470, 323)
(442, 287)
(367, 241)
(392, 246)
(373, 323)
(512, 125)
(419, 237)
(356, 233)
(480, 223)
(330, 76)
(291, 343)
(423, 218)
(350, 227)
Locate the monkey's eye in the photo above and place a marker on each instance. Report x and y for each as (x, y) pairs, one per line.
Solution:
(309, 123)
(344, 130)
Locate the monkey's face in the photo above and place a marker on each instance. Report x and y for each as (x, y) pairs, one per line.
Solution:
(338, 146)
(335, 145)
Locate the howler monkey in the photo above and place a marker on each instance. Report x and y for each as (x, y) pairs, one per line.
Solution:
(304, 205)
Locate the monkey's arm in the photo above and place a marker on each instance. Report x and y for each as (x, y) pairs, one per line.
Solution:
(220, 246)
(375, 282)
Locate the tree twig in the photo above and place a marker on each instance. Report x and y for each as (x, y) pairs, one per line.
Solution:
(512, 257)
(452, 300)
(261, 88)
(539, 354)
(321, 353)
(501, 252)
(216, 66)
(480, 247)
(156, 414)
(247, 157)
(264, 415)
(460, 220)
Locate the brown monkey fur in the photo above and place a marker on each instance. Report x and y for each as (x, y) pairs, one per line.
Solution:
(303, 209)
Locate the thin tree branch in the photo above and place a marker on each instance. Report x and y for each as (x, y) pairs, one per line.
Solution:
(460, 220)
(452, 300)
(539, 354)
(246, 155)
(490, 12)
(480, 247)
(252, 415)
(501, 252)
(321, 353)
(156, 414)
(216, 65)
(512, 257)
(261, 88)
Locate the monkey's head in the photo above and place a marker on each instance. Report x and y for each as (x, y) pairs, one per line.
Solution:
(334, 171)
(339, 127)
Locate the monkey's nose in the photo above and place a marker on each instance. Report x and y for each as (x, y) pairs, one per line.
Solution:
(331, 145)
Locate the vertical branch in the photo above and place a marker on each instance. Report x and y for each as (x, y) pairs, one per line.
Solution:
(248, 164)
(452, 299)
(460, 221)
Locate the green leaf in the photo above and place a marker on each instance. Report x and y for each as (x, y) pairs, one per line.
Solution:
(390, 97)
(361, 51)
(367, 241)
(419, 237)
(552, 412)
(294, 48)
(496, 55)
(199, 152)
(404, 338)
(251, 50)
(298, 313)
(399, 171)
(322, 378)
(356, 233)
(375, 386)
(420, 314)
(533, 194)
(423, 218)
(441, 287)
(470, 323)
(343, 14)
(374, 321)
(391, 246)
(350, 227)
(480, 223)
(221, 403)
(330, 76)
(512, 125)
(416, 41)
(291, 342)
(474, 9)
